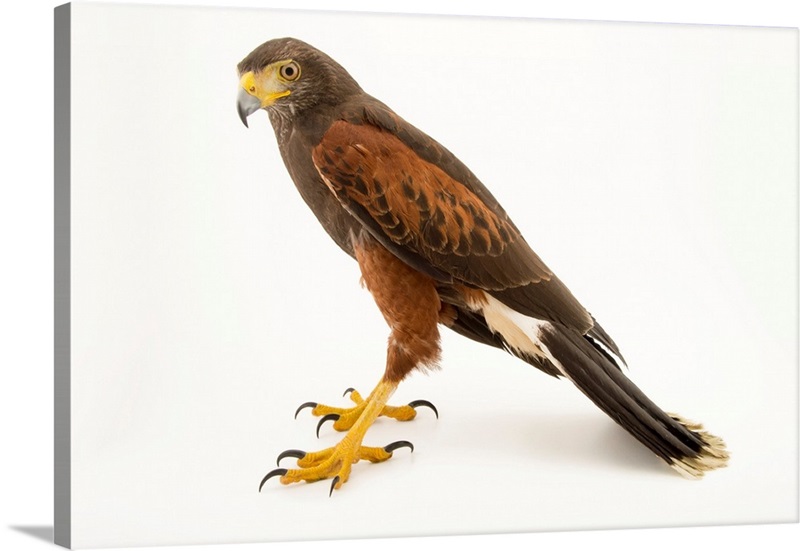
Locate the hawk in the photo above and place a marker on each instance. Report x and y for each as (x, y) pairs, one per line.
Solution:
(434, 248)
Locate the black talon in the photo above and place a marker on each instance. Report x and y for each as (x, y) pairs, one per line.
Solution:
(333, 484)
(348, 391)
(297, 454)
(399, 444)
(303, 406)
(330, 417)
(275, 472)
(425, 403)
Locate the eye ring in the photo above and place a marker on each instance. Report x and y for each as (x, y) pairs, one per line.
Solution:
(290, 71)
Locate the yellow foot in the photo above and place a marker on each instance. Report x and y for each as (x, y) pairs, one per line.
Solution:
(345, 418)
(336, 462)
(333, 462)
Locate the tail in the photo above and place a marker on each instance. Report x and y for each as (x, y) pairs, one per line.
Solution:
(587, 361)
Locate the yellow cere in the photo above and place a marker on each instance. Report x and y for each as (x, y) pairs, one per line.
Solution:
(265, 86)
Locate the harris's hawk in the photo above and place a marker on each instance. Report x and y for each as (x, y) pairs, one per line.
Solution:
(435, 248)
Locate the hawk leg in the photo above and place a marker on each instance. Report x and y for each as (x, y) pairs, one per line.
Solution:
(410, 304)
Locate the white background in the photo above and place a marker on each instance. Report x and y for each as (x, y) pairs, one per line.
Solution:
(653, 143)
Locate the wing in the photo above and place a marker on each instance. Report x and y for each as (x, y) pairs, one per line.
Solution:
(426, 207)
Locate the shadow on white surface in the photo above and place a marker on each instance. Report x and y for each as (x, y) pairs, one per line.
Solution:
(40, 532)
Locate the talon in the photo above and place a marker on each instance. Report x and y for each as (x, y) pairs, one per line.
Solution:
(399, 444)
(297, 454)
(426, 403)
(303, 406)
(335, 463)
(329, 417)
(275, 472)
(348, 391)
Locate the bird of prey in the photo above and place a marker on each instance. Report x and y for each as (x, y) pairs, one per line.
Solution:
(434, 248)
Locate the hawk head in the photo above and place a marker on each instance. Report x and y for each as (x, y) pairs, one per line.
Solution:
(288, 77)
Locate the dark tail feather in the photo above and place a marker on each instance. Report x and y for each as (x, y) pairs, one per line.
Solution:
(682, 444)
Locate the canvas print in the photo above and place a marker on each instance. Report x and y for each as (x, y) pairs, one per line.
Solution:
(278, 240)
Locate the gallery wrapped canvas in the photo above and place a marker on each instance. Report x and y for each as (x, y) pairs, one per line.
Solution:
(372, 225)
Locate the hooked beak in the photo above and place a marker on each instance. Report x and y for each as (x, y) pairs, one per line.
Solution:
(246, 105)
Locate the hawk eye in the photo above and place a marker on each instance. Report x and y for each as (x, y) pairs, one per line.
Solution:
(290, 71)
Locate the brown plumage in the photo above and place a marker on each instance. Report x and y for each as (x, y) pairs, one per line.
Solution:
(410, 304)
(434, 245)
(414, 203)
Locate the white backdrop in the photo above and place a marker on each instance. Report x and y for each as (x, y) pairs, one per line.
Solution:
(652, 138)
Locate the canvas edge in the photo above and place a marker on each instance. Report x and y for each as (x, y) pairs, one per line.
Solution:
(61, 206)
